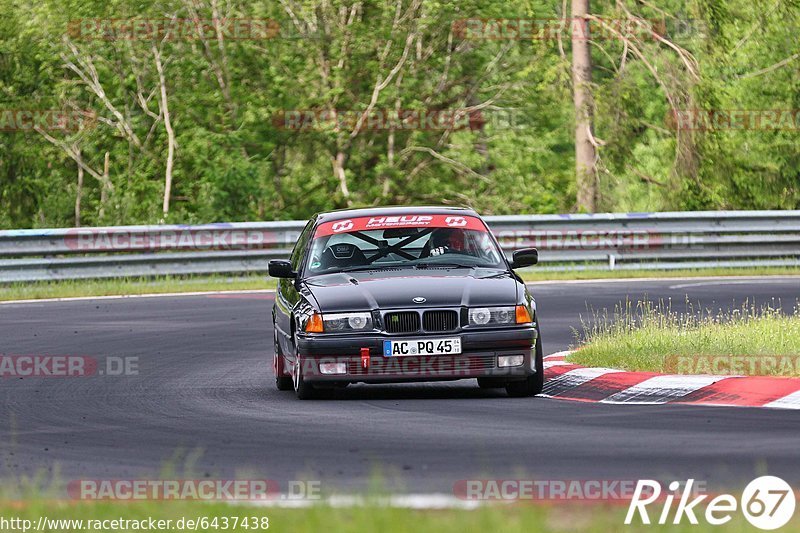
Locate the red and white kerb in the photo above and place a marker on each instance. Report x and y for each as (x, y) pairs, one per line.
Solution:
(399, 221)
(568, 381)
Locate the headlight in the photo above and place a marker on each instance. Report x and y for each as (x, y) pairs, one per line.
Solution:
(347, 322)
(492, 316)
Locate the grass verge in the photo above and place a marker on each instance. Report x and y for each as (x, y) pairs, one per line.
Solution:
(131, 286)
(653, 337)
(170, 284)
(505, 518)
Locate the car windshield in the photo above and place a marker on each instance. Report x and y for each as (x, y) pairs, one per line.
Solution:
(402, 242)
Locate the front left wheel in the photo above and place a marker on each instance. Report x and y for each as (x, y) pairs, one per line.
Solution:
(534, 384)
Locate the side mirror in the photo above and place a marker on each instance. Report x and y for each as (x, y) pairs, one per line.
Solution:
(280, 268)
(525, 257)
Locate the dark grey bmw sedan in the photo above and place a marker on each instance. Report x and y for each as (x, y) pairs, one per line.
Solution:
(402, 294)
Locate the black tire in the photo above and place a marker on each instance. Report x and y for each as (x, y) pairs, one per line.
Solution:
(282, 383)
(533, 384)
(303, 389)
(491, 383)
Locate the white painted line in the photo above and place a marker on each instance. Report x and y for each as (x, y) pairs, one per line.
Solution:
(126, 296)
(248, 291)
(791, 401)
(760, 281)
(573, 378)
(548, 364)
(634, 280)
(403, 501)
(661, 389)
(558, 355)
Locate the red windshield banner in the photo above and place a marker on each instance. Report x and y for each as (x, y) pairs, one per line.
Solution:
(399, 221)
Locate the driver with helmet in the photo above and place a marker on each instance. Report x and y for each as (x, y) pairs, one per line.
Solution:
(444, 240)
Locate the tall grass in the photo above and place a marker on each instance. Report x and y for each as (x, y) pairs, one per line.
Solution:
(651, 336)
(360, 519)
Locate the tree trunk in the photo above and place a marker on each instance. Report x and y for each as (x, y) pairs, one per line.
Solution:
(170, 133)
(387, 182)
(79, 193)
(278, 165)
(585, 155)
(338, 171)
(104, 188)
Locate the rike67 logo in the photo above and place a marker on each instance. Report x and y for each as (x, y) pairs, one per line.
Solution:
(768, 502)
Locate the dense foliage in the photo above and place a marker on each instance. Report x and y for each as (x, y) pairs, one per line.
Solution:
(210, 108)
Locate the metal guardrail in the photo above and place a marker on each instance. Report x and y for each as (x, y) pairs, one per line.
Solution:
(622, 241)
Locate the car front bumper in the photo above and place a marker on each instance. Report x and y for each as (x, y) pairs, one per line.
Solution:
(363, 359)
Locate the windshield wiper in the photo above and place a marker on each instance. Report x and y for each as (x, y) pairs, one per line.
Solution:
(442, 265)
(357, 268)
(362, 268)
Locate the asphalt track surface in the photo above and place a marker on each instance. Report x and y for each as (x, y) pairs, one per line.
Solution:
(203, 404)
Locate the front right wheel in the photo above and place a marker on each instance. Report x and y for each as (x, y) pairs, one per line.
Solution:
(533, 384)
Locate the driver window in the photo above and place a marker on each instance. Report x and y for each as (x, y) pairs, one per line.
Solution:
(300, 247)
(485, 247)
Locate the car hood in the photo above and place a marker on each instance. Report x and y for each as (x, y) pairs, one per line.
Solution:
(360, 291)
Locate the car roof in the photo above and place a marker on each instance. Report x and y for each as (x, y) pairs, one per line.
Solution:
(393, 210)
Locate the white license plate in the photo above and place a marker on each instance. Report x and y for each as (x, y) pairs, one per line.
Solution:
(443, 346)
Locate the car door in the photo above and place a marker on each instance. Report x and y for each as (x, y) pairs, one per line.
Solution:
(287, 296)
